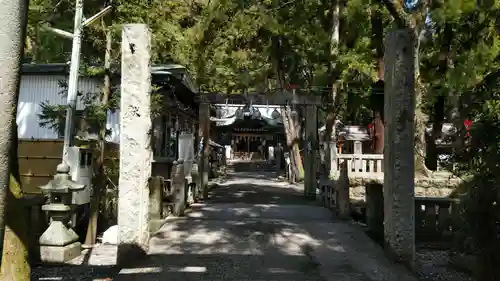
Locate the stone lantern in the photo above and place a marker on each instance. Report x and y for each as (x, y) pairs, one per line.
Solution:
(59, 243)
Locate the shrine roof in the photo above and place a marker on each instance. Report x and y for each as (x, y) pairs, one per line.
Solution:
(258, 98)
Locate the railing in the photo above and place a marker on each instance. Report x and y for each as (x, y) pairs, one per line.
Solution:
(435, 218)
(360, 165)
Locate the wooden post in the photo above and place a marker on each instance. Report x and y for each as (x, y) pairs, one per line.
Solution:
(375, 209)
(204, 133)
(399, 164)
(278, 159)
(310, 153)
(135, 142)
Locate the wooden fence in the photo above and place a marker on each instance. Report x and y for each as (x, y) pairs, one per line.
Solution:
(38, 159)
(436, 218)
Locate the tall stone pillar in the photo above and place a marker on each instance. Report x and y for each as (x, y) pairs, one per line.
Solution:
(204, 133)
(135, 144)
(399, 174)
(310, 159)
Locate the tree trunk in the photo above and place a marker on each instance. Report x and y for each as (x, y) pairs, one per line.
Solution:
(414, 22)
(333, 99)
(293, 144)
(13, 19)
(437, 127)
(420, 117)
(439, 104)
(377, 40)
(377, 43)
(289, 122)
(100, 179)
(15, 256)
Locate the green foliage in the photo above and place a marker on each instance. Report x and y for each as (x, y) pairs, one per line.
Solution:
(220, 41)
(94, 114)
(478, 163)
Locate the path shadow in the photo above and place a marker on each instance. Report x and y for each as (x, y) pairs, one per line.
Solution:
(267, 232)
(257, 188)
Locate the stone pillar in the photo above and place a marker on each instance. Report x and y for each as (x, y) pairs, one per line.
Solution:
(399, 173)
(186, 156)
(179, 188)
(155, 203)
(310, 159)
(204, 133)
(331, 158)
(342, 185)
(135, 142)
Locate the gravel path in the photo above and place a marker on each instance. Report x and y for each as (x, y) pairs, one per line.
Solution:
(252, 228)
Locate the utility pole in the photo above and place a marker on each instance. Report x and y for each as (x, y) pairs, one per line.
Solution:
(73, 78)
(76, 36)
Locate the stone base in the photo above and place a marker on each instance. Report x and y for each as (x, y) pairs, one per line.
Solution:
(60, 254)
(155, 225)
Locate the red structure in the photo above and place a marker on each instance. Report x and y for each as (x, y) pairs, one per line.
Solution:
(468, 127)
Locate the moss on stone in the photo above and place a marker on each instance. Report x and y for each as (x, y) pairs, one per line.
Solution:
(15, 262)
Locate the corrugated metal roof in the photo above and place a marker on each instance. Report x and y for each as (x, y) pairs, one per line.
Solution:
(44, 69)
(178, 71)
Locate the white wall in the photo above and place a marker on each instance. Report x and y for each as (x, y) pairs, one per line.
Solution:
(35, 89)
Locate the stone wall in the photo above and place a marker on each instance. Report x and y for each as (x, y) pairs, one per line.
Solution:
(424, 187)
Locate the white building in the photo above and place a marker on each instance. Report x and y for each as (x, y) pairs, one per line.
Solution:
(41, 83)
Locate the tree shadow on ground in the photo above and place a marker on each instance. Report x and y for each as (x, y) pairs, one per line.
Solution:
(250, 239)
(255, 192)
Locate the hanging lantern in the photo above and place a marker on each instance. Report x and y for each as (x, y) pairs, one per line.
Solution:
(187, 126)
(256, 114)
(239, 113)
(275, 114)
(176, 123)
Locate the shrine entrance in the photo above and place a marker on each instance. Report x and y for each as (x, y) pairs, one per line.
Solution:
(249, 132)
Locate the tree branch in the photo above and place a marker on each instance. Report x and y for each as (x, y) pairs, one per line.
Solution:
(395, 8)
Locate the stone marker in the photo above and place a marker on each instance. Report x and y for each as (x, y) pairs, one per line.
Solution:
(179, 188)
(155, 203)
(399, 206)
(204, 133)
(135, 143)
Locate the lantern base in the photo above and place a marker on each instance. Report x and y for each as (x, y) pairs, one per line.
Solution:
(60, 254)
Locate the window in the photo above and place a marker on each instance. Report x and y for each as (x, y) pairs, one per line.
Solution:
(165, 138)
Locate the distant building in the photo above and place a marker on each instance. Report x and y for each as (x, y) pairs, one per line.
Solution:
(41, 83)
